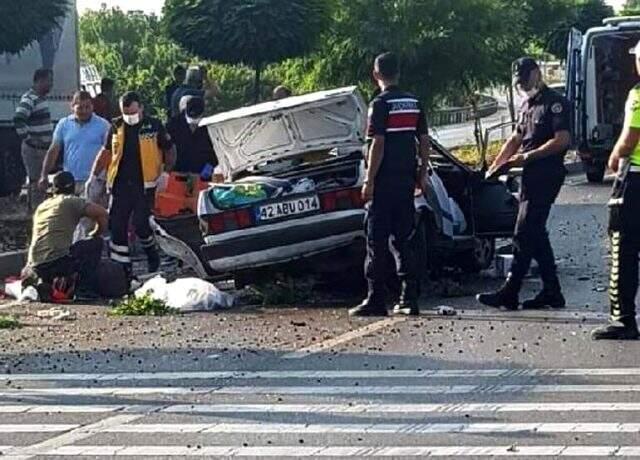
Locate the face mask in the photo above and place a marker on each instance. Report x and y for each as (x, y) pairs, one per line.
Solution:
(131, 119)
(192, 121)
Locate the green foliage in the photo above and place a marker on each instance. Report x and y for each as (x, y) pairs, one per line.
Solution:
(585, 14)
(250, 32)
(141, 306)
(132, 49)
(631, 8)
(9, 322)
(24, 22)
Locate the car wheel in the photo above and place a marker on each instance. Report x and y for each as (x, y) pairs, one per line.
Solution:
(595, 172)
(480, 257)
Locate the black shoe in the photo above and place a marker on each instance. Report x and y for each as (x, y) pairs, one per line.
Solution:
(368, 309)
(506, 297)
(545, 298)
(616, 331)
(408, 302)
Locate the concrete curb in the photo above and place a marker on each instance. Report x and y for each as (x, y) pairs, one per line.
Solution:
(11, 263)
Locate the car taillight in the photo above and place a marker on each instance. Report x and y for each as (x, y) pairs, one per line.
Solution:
(341, 200)
(230, 220)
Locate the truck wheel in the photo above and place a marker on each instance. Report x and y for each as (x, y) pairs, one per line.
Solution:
(595, 172)
(480, 257)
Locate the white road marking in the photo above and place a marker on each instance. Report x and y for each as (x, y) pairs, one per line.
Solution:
(36, 428)
(71, 437)
(327, 374)
(322, 390)
(344, 338)
(445, 408)
(374, 428)
(340, 451)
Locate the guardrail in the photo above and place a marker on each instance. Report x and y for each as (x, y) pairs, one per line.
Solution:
(458, 115)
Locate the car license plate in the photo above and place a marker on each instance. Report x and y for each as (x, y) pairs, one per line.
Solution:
(288, 208)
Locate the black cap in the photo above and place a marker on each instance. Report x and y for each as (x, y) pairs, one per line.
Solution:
(63, 183)
(522, 68)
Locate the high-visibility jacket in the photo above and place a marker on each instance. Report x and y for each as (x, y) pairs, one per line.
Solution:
(151, 135)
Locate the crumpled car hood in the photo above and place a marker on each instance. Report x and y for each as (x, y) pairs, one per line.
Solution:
(276, 130)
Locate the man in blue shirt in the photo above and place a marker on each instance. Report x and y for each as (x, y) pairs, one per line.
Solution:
(78, 137)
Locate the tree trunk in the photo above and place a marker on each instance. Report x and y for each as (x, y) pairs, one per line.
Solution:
(256, 83)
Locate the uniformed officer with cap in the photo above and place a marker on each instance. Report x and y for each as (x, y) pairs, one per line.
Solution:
(538, 145)
(397, 124)
(624, 224)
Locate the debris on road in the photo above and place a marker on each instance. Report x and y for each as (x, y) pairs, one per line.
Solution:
(445, 310)
(57, 314)
(141, 305)
(9, 322)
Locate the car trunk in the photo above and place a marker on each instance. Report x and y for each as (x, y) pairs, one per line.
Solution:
(297, 156)
(613, 74)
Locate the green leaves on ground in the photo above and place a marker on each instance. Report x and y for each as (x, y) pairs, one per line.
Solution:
(145, 305)
(9, 322)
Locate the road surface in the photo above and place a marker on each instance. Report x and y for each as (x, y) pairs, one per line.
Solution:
(310, 383)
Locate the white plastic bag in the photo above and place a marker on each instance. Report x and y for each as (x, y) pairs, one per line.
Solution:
(187, 294)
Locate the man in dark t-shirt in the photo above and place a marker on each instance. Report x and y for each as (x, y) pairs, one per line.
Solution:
(396, 125)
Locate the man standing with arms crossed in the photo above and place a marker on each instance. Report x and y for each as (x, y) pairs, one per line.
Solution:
(624, 224)
(396, 123)
(33, 125)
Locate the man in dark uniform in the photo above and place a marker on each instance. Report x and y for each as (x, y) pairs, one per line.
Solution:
(624, 224)
(396, 123)
(538, 145)
(138, 150)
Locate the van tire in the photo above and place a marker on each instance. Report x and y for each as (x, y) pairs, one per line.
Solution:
(480, 257)
(595, 172)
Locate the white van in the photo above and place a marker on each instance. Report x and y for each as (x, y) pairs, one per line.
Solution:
(600, 73)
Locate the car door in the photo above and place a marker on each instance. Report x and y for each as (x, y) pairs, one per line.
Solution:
(574, 82)
(494, 207)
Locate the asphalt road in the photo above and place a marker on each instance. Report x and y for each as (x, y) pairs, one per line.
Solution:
(310, 383)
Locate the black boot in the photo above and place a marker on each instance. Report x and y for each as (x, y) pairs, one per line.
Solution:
(616, 331)
(373, 305)
(408, 301)
(153, 259)
(506, 296)
(546, 298)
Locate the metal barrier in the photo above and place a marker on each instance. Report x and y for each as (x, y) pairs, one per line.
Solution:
(458, 115)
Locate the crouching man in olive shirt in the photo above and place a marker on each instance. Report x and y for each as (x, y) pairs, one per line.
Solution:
(51, 252)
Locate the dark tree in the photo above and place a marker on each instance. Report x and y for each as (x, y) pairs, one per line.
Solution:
(251, 32)
(26, 21)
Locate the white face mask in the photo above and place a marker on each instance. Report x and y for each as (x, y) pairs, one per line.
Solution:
(192, 121)
(131, 119)
(532, 93)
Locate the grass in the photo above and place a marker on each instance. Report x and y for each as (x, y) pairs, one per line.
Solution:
(145, 305)
(9, 322)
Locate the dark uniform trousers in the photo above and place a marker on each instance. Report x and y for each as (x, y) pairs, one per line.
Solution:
(130, 204)
(624, 233)
(531, 239)
(391, 213)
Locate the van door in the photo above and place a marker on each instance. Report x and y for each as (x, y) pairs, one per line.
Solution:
(574, 81)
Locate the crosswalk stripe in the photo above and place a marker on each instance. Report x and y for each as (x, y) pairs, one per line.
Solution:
(327, 374)
(338, 451)
(322, 390)
(446, 408)
(40, 428)
(70, 437)
(375, 428)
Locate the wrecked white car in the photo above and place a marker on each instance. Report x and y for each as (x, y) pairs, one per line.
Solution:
(294, 170)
